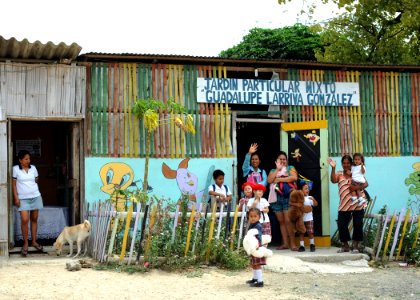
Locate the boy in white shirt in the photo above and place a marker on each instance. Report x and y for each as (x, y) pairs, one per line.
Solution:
(219, 190)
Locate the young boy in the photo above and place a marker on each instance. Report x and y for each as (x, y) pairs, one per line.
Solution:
(219, 190)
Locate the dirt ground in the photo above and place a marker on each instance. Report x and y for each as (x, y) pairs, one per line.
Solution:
(53, 281)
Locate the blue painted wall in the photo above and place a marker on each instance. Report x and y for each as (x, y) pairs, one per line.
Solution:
(161, 186)
(386, 176)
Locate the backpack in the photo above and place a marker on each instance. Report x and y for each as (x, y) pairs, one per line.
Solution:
(254, 177)
(226, 188)
(214, 189)
(284, 188)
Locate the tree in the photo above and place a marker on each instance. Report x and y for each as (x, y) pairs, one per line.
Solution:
(148, 111)
(371, 32)
(290, 42)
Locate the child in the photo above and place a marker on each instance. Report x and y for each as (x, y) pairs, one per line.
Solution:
(256, 262)
(262, 204)
(358, 178)
(308, 220)
(219, 190)
(247, 190)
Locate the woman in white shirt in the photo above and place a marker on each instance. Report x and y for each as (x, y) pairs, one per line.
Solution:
(27, 198)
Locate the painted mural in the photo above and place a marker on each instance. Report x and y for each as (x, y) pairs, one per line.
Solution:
(186, 180)
(413, 183)
(168, 178)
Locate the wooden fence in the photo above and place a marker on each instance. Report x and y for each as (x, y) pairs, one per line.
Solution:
(204, 225)
(391, 234)
(385, 124)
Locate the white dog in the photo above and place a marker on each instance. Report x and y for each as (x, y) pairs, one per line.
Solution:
(250, 244)
(78, 233)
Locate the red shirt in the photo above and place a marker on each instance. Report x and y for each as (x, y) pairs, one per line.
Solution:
(346, 203)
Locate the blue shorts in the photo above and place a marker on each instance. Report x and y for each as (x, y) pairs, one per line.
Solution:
(31, 204)
(282, 204)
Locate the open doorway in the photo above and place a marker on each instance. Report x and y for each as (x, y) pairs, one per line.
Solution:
(51, 145)
(266, 133)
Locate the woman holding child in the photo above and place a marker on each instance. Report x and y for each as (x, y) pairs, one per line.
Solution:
(279, 202)
(348, 209)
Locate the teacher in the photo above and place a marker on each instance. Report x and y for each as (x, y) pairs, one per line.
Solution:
(250, 167)
(279, 203)
(27, 198)
(347, 209)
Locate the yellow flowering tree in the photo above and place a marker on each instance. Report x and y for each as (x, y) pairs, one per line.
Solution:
(148, 111)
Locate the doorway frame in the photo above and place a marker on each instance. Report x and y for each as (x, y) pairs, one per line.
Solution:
(77, 182)
(322, 125)
(235, 120)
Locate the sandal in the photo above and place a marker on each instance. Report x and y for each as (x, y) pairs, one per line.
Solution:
(342, 250)
(354, 251)
(294, 249)
(282, 247)
(24, 252)
(38, 247)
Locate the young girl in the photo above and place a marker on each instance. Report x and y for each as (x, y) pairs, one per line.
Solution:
(358, 178)
(308, 220)
(262, 204)
(256, 262)
(247, 190)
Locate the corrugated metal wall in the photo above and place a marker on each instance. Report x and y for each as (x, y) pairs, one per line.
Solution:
(386, 123)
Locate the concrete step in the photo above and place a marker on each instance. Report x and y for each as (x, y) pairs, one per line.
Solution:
(323, 260)
(322, 255)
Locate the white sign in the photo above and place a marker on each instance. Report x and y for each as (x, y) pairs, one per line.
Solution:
(277, 92)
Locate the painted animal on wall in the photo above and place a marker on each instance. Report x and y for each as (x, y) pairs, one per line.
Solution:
(115, 177)
(186, 180)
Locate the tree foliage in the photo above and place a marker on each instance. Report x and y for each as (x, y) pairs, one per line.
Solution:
(292, 42)
(371, 32)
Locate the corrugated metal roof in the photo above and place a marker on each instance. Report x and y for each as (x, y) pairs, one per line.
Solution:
(13, 49)
(245, 62)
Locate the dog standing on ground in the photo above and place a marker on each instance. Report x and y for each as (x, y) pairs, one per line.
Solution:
(78, 233)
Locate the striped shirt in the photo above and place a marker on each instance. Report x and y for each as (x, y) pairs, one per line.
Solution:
(346, 203)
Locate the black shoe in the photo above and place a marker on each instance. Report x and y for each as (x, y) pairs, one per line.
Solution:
(253, 280)
(312, 248)
(301, 249)
(257, 284)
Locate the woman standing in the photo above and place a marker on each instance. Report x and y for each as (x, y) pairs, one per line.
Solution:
(27, 198)
(348, 209)
(280, 202)
(250, 167)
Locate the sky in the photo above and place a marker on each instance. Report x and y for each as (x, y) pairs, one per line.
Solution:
(180, 27)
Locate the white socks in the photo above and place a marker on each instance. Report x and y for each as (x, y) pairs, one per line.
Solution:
(259, 275)
(254, 274)
(312, 241)
(302, 243)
